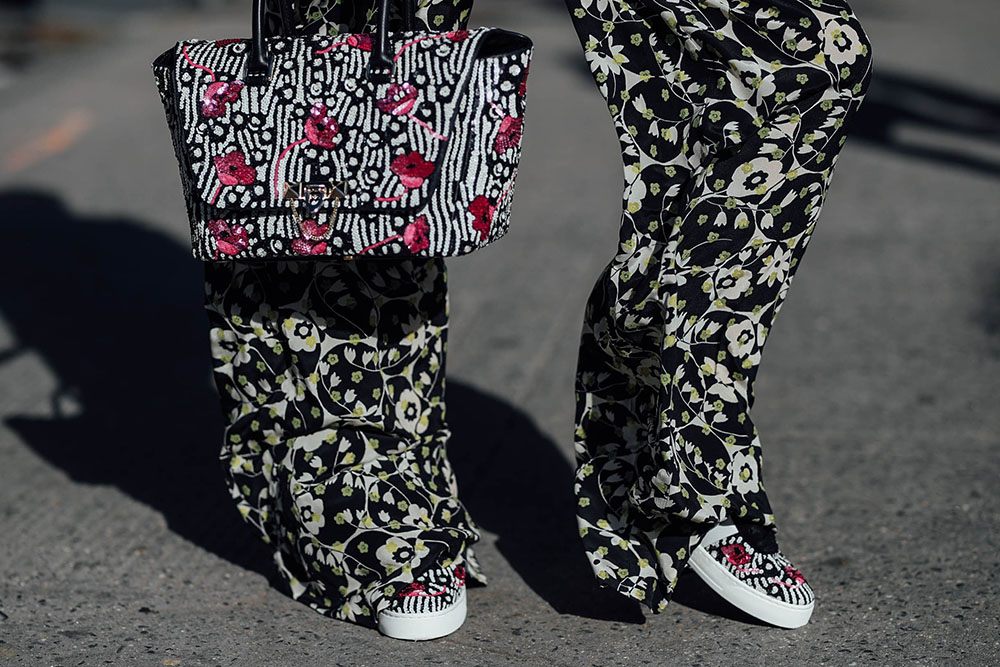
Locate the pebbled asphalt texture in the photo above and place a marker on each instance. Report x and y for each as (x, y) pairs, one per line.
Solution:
(877, 399)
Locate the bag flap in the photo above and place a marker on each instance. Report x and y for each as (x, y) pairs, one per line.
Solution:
(320, 132)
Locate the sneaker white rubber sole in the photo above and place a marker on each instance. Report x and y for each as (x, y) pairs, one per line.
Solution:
(421, 627)
(741, 596)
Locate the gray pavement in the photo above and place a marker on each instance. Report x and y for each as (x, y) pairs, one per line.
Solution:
(877, 400)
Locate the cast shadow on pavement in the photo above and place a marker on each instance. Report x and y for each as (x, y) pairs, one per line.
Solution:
(988, 313)
(516, 483)
(113, 308)
(897, 101)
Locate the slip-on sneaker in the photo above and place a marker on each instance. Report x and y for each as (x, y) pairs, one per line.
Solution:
(429, 608)
(744, 566)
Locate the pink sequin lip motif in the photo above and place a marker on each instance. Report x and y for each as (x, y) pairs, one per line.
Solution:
(412, 169)
(313, 231)
(234, 170)
(218, 96)
(419, 590)
(736, 554)
(482, 211)
(321, 130)
(363, 41)
(303, 246)
(797, 580)
(415, 235)
(509, 135)
(230, 240)
(794, 575)
(399, 99)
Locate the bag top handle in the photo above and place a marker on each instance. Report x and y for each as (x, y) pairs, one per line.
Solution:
(380, 64)
(259, 61)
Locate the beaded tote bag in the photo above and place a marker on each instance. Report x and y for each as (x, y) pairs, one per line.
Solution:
(390, 143)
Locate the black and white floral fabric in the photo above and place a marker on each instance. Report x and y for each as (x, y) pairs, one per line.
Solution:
(730, 115)
(332, 383)
(326, 17)
(423, 164)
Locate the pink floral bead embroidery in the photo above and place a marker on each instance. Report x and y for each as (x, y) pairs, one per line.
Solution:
(399, 99)
(217, 97)
(230, 240)
(509, 135)
(321, 129)
(415, 235)
(482, 210)
(234, 170)
(412, 169)
(736, 554)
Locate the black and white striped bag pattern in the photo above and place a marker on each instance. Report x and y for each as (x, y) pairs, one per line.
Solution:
(324, 160)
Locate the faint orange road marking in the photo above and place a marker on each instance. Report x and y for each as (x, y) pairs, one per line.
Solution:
(66, 132)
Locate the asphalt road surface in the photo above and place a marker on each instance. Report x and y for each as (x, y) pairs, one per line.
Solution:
(877, 399)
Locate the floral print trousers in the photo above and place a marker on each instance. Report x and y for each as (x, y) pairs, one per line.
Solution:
(730, 115)
(332, 376)
(332, 383)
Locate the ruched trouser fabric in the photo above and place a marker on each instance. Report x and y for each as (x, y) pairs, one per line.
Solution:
(730, 115)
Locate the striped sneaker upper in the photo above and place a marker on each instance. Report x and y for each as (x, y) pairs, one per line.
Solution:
(769, 573)
(435, 591)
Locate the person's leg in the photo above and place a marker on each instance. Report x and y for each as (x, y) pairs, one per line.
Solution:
(331, 376)
(730, 117)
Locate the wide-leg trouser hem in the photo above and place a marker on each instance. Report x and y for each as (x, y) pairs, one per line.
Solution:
(730, 118)
(332, 376)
